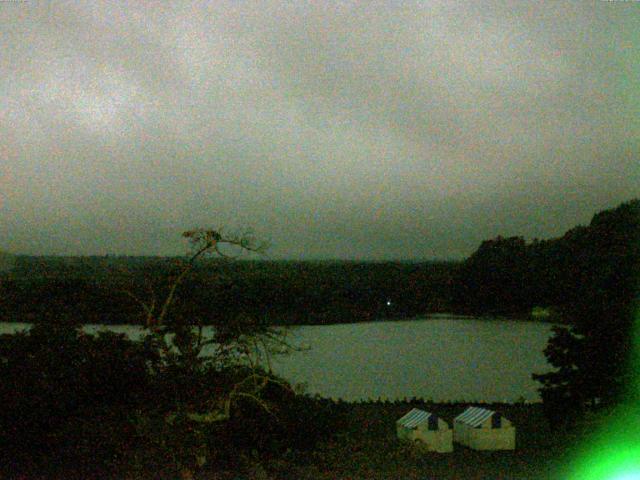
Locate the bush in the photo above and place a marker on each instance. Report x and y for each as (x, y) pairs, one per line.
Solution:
(293, 422)
(66, 396)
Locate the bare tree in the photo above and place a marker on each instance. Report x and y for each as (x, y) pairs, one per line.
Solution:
(242, 346)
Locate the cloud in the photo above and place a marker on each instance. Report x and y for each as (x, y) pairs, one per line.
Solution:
(336, 129)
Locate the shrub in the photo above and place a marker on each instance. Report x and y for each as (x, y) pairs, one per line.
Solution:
(65, 395)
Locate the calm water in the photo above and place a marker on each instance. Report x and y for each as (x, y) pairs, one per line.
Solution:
(441, 358)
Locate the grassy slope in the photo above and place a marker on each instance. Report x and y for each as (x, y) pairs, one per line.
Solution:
(368, 449)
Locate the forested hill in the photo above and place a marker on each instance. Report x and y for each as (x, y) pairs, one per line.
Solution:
(504, 276)
(507, 275)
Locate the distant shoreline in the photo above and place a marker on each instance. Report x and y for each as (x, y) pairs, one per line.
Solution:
(426, 317)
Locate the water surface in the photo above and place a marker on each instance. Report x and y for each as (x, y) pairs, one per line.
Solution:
(441, 358)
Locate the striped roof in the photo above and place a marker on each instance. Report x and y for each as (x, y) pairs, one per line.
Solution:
(414, 418)
(474, 416)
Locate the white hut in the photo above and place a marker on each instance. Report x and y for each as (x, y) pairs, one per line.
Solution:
(482, 429)
(425, 427)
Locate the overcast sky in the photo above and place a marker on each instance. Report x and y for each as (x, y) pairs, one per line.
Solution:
(360, 130)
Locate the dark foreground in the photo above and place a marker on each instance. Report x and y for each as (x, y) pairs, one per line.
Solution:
(368, 449)
(364, 446)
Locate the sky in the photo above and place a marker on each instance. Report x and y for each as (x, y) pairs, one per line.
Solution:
(335, 130)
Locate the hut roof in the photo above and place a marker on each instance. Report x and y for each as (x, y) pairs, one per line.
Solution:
(415, 417)
(474, 416)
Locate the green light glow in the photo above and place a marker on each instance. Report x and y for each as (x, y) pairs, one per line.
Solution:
(628, 476)
(613, 452)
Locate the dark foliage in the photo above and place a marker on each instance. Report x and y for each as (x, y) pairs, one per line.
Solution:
(294, 421)
(93, 288)
(77, 406)
(600, 272)
(493, 280)
(66, 397)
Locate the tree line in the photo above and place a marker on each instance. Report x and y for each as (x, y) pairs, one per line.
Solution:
(96, 289)
(505, 276)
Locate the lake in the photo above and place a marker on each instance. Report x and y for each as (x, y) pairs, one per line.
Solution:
(442, 358)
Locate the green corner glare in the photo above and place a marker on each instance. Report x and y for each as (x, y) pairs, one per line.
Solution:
(613, 452)
(627, 476)
(610, 465)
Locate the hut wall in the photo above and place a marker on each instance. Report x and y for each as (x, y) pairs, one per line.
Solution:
(486, 437)
(433, 440)
(492, 439)
(437, 441)
(461, 433)
(404, 433)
